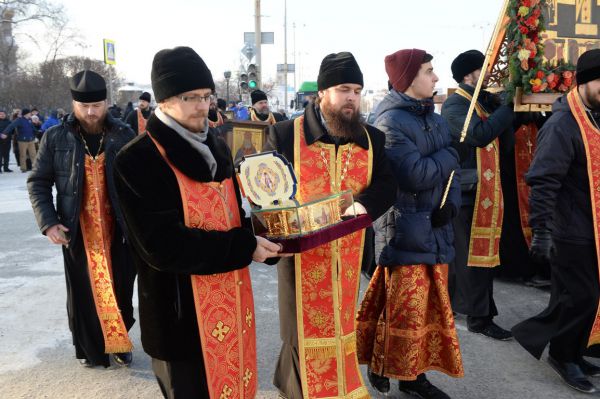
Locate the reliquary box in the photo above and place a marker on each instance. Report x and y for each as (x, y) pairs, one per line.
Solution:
(269, 183)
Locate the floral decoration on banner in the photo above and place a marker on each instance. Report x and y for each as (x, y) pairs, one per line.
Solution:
(526, 64)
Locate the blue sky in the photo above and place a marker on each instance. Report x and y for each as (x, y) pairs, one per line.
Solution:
(369, 29)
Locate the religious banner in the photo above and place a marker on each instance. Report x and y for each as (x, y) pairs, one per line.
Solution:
(571, 29)
(544, 39)
(525, 144)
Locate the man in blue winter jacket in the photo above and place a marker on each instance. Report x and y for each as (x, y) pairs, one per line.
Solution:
(25, 137)
(407, 304)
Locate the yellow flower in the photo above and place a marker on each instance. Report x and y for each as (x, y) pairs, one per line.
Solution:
(535, 82)
(523, 11)
(524, 54)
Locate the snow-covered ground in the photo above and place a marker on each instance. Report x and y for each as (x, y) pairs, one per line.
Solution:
(37, 358)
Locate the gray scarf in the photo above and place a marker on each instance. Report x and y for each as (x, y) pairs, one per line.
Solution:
(196, 140)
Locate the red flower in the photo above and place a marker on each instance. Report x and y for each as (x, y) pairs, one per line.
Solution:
(540, 75)
(531, 21)
(567, 74)
(532, 64)
(523, 29)
(568, 82)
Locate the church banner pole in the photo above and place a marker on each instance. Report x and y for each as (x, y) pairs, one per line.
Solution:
(488, 55)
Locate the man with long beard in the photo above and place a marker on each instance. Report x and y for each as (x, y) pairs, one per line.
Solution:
(564, 209)
(259, 111)
(77, 157)
(331, 150)
(137, 118)
(181, 202)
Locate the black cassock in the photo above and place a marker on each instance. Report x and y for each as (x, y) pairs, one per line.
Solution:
(83, 318)
(567, 321)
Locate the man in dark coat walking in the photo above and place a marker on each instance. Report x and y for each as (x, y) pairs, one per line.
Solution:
(77, 157)
(564, 219)
(182, 206)
(138, 118)
(472, 291)
(5, 141)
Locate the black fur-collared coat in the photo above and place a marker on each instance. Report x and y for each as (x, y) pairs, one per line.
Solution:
(166, 252)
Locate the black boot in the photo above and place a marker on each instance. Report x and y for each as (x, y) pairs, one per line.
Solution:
(123, 359)
(589, 369)
(382, 384)
(491, 330)
(572, 375)
(422, 388)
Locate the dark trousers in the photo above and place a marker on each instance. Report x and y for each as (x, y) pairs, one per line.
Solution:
(567, 321)
(368, 262)
(181, 379)
(471, 288)
(4, 153)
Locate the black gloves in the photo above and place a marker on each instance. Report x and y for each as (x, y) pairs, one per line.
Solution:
(542, 248)
(442, 216)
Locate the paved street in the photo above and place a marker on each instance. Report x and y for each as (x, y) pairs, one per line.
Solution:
(37, 358)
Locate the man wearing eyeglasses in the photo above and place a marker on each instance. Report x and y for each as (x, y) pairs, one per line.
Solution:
(182, 205)
(259, 111)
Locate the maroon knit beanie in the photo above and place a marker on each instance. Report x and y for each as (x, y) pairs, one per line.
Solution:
(403, 66)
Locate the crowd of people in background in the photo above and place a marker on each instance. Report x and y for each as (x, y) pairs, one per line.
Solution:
(22, 131)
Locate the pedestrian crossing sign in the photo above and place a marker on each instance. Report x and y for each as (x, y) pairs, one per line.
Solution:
(109, 52)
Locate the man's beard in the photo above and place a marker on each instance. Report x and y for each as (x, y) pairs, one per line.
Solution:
(200, 123)
(340, 125)
(263, 111)
(592, 101)
(92, 126)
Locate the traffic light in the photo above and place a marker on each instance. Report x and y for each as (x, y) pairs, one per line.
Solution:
(252, 77)
(244, 82)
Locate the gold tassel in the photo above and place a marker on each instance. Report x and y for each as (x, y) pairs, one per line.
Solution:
(120, 348)
(320, 353)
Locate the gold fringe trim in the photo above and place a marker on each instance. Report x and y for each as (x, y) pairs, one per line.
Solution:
(120, 348)
(322, 353)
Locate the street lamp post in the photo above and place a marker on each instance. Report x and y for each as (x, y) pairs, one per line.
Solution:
(227, 75)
